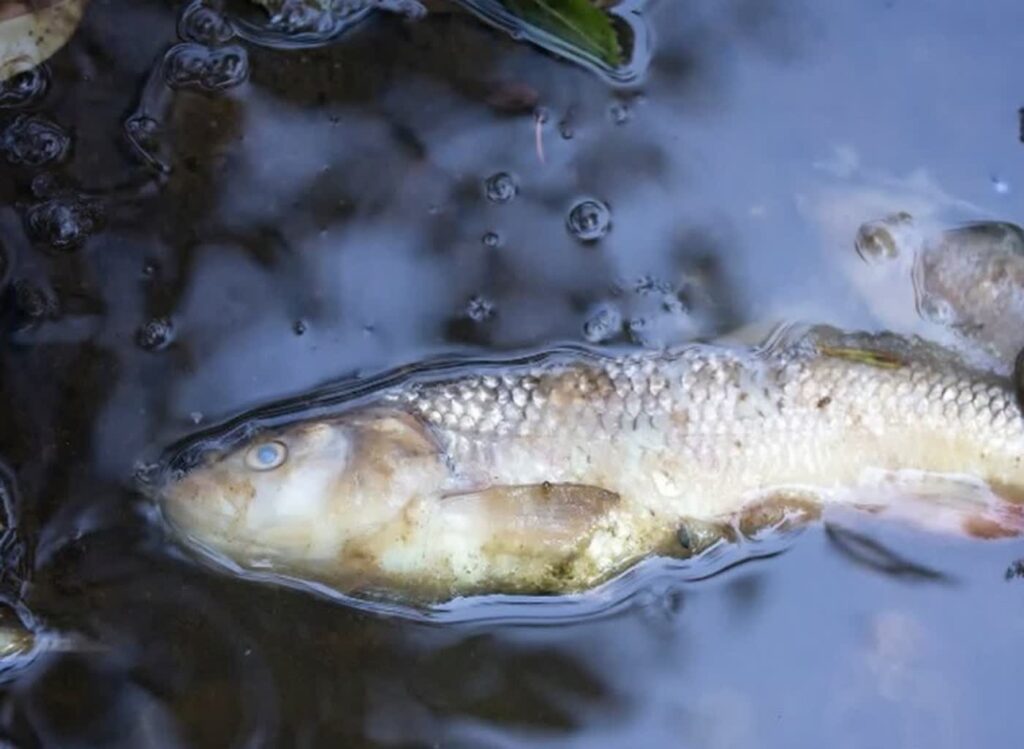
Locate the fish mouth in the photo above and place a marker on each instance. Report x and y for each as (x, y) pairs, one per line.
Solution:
(194, 501)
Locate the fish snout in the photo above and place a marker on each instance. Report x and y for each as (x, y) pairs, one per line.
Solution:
(200, 502)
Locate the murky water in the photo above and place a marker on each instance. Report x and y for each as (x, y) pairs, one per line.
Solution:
(193, 224)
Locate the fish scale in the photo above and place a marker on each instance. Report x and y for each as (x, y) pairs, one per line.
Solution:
(700, 408)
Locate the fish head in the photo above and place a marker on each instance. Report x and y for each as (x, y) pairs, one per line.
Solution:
(303, 496)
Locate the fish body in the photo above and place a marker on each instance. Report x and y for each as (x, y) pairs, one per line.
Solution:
(552, 476)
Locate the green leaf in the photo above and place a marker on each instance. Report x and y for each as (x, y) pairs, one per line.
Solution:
(578, 23)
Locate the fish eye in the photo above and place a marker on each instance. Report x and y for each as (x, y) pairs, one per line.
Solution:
(266, 456)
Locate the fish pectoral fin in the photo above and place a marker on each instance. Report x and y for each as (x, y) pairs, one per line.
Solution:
(556, 516)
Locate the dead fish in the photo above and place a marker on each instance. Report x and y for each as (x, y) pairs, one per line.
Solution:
(554, 474)
(32, 31)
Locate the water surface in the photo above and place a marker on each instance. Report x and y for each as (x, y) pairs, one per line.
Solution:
(175, 254)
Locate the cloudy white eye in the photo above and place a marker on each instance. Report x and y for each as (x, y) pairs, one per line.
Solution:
(266, 456)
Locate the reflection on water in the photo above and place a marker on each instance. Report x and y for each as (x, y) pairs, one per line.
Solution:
(192, 224)
(868, 552)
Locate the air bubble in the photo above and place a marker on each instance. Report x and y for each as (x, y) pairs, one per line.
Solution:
(491, 240)
(657, 314)
(589, 220)
(156, 334)
(411, 9)
(620, 113)
(604, 323)
(45, 185)
(24, 88)
(301, 23)
(143, 131)
(666, 606)
(501, 187)
(34, 303)
(200, 23)
(879, 241)
(63, 223)
(636, 327)
(33, 140)
(647, 285)
(937, 310)
(480, 309)
(673, 305)
(143, 134)
(191, 65)
(295, 16)
(148, 473)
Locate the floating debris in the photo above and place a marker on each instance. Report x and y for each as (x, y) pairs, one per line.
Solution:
(609, 38)
(31, 32)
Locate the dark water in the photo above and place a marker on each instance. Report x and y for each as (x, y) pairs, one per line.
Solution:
(280, 218)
